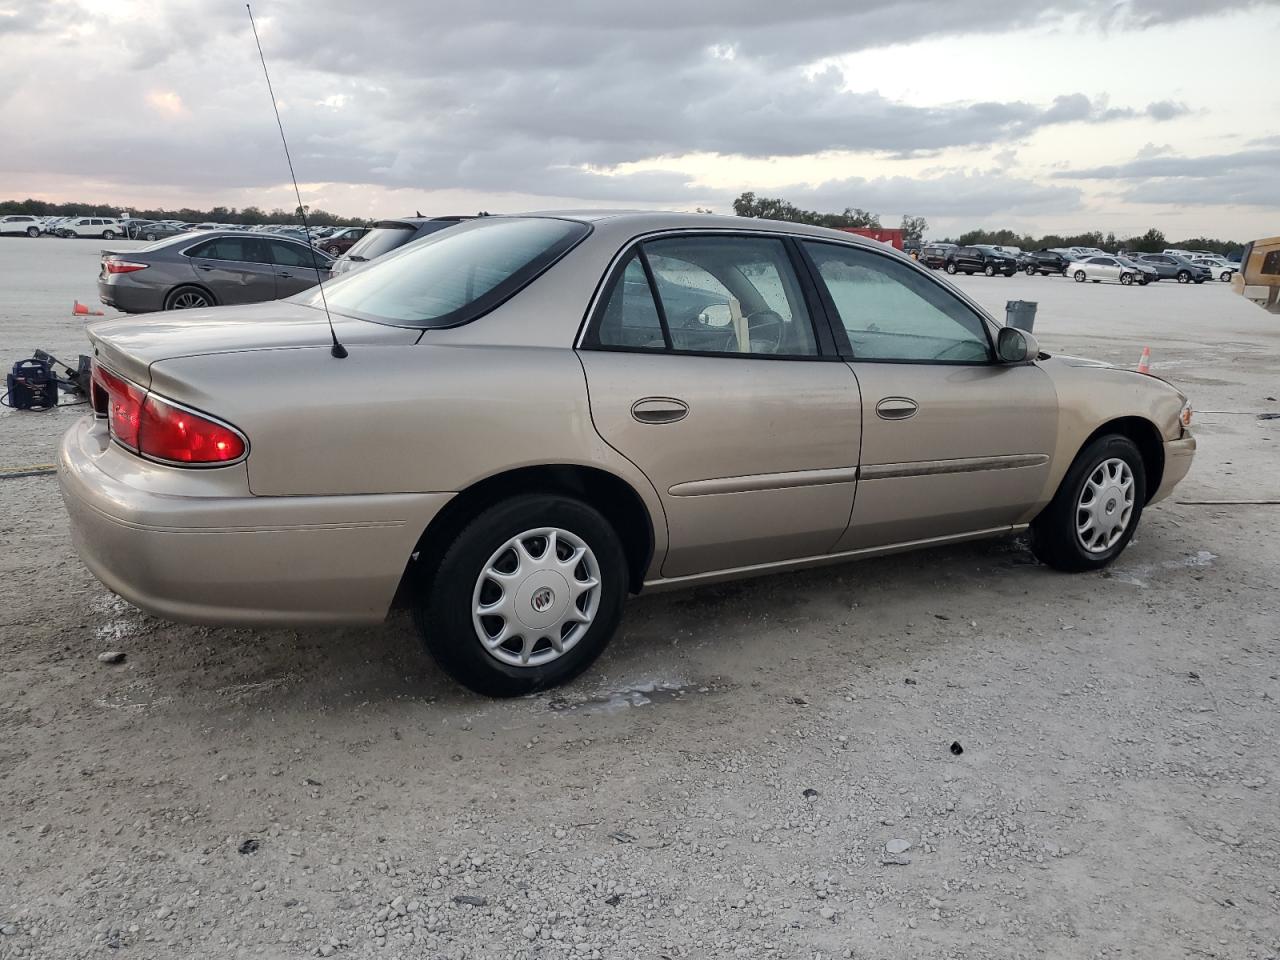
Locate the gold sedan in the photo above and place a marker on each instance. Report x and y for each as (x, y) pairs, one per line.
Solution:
(532, 417)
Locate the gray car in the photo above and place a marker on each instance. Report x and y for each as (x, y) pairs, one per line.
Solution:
(208, 269)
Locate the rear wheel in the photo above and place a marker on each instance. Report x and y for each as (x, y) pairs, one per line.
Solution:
(526, 597)
(1030, 271)
(33, 232)
(1092, 517)
(108, 234)
(951, 268)
(1080, 277)
(187, 298)
(150, 236)
(989, 270)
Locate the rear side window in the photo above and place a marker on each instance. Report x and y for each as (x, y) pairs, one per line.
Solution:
(295, 255)
(235, 249)
(455, 275)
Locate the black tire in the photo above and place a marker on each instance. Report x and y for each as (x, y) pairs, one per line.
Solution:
(1080, 276)
(185, 297)
(951, 268)
(1066, 267)
(1053, 533)
(968, 273)
(108, 234)
(1226, 276)
(1126, 278)
(1097, 281)
(1030, 271)
(443, 613)
(1200, 280)
(33, 232)
(150, 236)
(1184, 276)
(332, 251)
(989, 270)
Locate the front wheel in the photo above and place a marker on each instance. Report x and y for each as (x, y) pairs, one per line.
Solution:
(526, 597)
(1092, 517)
(1226, 276)
(1184, 276)
(1080, 277)
(1126, 278)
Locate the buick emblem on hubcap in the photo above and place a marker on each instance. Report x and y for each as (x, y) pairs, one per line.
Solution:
(543, 599)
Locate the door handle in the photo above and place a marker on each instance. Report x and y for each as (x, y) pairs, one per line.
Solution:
(896, 408)
(285, 275)
(659, 410)
(205, 268)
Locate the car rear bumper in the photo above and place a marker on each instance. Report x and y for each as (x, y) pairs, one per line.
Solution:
(128, 296)
(237, 558)
(1178, 455)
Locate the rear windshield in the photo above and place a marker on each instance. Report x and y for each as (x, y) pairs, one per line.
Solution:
(380, 240)
(168, 242)
(454, 275)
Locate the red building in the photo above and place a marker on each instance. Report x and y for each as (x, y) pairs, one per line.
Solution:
(889, 236)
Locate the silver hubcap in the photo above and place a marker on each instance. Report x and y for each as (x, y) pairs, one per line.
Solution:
(185, 301)
(1106, 504)
(536, 597)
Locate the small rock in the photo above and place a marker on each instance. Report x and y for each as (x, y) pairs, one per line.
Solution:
(259, 886)
(111, 656)
(826, 913)
(326, 950)
(530, 932)
(956, 748)
(897, 845)
(622, 836)
(164, 913)
(250, 846)
(8, 930)
(810, 793)
(798, 701)
(463, 898)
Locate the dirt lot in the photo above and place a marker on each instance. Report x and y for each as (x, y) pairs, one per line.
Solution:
(725, 781)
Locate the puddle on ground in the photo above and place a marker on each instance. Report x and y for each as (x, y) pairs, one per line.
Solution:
(643, 694)
(1140, 575)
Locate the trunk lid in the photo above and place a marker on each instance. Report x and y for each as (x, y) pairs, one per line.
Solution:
(130, 345)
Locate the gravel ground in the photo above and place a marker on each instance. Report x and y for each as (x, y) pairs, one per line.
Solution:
(762, 769)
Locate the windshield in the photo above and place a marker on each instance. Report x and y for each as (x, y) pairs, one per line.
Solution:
(454, 275)
(380, 240)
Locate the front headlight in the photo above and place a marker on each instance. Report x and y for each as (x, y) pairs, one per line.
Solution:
(1185, 416)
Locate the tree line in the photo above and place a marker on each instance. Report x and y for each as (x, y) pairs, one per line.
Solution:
(913, 230)
(249, 216)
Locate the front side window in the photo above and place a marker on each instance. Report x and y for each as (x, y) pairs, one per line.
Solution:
(454, 275)
(893, 312)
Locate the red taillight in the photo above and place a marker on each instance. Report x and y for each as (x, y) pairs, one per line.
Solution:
(155, 427)
(115, 265)
(168, 432)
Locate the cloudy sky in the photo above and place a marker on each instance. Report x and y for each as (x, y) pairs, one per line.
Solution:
(1114, 114)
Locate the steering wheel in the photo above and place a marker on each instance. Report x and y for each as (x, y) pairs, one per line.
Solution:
(767, 328)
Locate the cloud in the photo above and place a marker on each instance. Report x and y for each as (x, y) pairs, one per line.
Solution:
(1245, 178)
(505, 96)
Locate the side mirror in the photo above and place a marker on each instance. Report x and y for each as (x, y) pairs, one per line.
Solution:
(716, 315)
(1016, 346)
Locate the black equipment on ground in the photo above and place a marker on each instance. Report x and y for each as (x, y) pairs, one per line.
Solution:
(31, 385)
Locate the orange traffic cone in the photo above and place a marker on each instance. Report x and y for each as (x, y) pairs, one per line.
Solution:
(80, 310)
(1144, 362)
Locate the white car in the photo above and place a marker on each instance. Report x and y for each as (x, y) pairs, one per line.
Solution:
(1101, 268)
(1218, 266)
(18, 225)
(108, 228)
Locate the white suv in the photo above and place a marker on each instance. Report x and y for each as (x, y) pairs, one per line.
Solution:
(19, 225)
(108, 228)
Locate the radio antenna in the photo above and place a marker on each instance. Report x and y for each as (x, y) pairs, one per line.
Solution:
(337, 350)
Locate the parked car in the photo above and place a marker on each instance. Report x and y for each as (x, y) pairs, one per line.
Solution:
(532, 421)
(1144, 272)
(208, 269)
(1172, 267)
(1219, 268)
(1098, 269)
(934, 255)
(108, 228)
(17, 225)
(1044, 262)
(981, 259)
(388, 235)
(340, 241)
(157, 231)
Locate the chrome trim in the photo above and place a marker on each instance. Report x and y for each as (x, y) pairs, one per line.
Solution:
(928, 468)
(764, 481)
(802, 563)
